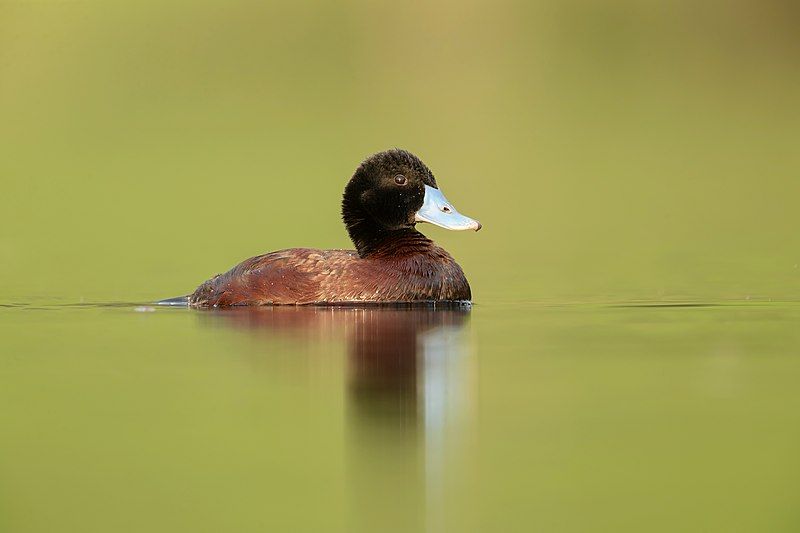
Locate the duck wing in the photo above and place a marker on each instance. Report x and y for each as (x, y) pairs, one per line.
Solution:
(284, 277)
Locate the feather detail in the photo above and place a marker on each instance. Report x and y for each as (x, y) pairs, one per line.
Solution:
(407, 269)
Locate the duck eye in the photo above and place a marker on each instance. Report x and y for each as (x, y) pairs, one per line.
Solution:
(400, 179)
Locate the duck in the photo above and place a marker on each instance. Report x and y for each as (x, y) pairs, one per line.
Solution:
(392, 263)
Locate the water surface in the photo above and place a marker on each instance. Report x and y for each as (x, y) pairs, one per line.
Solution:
(511, 417)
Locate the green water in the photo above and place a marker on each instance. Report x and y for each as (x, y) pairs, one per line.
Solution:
(505, 418)
(623, 157)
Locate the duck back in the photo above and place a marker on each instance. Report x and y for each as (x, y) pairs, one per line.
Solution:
(402, 272)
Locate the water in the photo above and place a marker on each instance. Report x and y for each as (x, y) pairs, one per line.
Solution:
(505, 417)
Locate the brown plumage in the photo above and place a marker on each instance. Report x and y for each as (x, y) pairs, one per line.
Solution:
(392, 263)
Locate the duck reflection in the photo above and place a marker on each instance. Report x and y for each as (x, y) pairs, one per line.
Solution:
(387, 362)
(398, 358)
(409, 390)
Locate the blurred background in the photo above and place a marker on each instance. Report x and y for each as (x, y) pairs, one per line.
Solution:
(613, 150)
(623, 156)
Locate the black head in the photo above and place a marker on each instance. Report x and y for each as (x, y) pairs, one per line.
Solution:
(386, 195)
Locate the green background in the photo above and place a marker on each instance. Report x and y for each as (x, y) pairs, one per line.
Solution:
(612, 150)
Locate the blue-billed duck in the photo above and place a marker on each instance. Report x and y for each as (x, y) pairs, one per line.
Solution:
(389, 193)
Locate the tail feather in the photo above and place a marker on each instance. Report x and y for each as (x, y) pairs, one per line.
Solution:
(178, 301)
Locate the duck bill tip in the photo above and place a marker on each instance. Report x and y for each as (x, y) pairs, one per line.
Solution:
(436, 209)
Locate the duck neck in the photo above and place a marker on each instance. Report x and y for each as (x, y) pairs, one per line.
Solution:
(397, 243)
(372, 240)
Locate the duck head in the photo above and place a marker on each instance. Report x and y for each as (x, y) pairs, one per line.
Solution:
(391, 192)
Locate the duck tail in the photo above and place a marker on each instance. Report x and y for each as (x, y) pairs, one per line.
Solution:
(178, 301)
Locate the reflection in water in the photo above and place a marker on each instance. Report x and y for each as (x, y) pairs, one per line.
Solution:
(409, 388)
